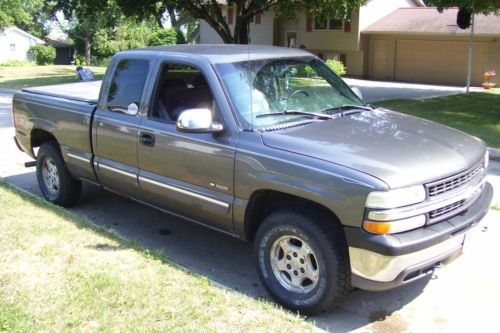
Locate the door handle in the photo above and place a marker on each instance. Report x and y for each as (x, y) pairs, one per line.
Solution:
(147, 139)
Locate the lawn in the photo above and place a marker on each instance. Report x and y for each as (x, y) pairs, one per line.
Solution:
(476, 113)
(30, 76)
(59, 273)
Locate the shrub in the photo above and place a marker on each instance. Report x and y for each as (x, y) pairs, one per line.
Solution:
(336, 66)
(80, 61)
(167, 37)
(44, 55)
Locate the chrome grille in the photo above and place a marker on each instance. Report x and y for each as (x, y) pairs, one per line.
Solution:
(453, 182)
(446, 209)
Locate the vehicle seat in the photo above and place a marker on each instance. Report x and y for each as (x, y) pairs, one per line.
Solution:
(176, 96)
(200, 95)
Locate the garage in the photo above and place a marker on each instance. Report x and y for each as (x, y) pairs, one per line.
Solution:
(422, 45)
(442, 62)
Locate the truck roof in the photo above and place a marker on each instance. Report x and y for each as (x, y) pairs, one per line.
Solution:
(225, 53)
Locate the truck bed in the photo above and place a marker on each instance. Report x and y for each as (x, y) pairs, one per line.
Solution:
(81, 91)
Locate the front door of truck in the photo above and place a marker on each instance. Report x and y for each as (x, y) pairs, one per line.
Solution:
(115, 126)
(189, 174)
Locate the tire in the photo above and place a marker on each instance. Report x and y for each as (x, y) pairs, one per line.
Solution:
(321, 263)
(55, 181)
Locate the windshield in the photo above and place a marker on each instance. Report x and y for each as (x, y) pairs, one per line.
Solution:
(258, 88)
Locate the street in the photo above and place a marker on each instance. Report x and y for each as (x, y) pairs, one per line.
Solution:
(463, 296)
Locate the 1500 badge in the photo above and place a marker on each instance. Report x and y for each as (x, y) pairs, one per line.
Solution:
(219, 187)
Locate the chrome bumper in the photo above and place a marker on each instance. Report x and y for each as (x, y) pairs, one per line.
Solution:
(380, 262)
(391, 271)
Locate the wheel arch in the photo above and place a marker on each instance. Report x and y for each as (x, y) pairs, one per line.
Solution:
(263, 202)
(40, 136)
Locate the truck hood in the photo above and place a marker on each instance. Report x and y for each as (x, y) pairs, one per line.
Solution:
(400, 150)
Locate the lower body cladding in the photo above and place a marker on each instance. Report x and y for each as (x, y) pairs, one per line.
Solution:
(381, 262)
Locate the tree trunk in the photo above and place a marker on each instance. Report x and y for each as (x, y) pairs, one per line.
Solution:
(88, 46)
(241, 27)
(171, 15)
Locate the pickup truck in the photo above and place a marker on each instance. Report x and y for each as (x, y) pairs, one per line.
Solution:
(268, 145)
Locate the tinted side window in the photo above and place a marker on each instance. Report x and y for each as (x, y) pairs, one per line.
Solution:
(127, 84)
(179, 88)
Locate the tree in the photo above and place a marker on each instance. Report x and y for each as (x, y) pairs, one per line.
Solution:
(85, 19)
(212, 11)
(27, 15)
(476, 6)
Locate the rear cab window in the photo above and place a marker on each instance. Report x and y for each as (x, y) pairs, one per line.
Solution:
(127, 85)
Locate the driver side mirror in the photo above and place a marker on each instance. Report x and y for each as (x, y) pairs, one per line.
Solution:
(198, 121)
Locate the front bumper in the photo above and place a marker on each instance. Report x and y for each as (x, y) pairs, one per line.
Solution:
(380, 262)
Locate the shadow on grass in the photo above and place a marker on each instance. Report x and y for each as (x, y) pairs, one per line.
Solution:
(43, 81)
(359, 309)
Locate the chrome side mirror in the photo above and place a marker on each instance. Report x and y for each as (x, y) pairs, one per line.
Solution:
(357, 91)
(198, 121)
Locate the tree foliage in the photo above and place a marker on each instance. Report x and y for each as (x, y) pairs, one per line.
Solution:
(44, 54)
(85, 19)
(476, 6)
(244, 10)
(27, 15)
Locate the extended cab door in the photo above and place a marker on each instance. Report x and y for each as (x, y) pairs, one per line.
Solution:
(116, 122)
(190, 174)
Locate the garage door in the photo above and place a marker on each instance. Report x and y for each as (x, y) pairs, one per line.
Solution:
(443, 62)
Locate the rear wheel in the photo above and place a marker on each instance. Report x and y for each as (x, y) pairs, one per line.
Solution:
(55, 181)
(302, 261)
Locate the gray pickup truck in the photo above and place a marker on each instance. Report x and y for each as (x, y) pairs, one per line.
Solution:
(268, 145)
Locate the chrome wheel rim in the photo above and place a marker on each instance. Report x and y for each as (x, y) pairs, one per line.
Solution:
(50, 176)
(294, 264)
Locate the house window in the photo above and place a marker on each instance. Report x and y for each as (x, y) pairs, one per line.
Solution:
(12, 47)
(328, 24)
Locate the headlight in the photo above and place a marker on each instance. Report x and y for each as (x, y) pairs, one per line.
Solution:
(396, 198)
(486, 159)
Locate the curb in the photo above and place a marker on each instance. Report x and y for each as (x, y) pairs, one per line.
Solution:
(494, 154)
(8, 90)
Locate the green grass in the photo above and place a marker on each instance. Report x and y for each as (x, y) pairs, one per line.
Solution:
(31, 76)
(59, 273)
(476, 113)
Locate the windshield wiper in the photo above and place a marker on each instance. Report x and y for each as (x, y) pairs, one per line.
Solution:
(350, 107)
(299, 113)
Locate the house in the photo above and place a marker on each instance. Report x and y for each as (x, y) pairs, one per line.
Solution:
(15, 43)
(399, 40)
(65, 53)
(422, 45)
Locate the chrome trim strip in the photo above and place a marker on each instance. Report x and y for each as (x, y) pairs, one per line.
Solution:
(425, 207)
(83, 159)
(125, 173)
(186, 192)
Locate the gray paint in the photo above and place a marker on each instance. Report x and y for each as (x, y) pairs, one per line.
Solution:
(335, 163)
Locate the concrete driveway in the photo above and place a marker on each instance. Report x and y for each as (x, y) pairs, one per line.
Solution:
(463, 296)
(374, 91)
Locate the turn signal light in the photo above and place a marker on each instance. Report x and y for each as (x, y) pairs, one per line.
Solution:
(377, 227)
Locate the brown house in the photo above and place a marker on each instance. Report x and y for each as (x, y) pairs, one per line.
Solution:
(422, 45)
(385, 39)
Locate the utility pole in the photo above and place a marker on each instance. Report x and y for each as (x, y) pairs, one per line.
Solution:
(471, 49)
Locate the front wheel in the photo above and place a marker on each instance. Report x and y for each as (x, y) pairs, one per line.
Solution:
(302, 260)
(55, 181)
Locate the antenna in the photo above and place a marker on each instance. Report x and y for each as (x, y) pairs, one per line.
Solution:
(251, 80)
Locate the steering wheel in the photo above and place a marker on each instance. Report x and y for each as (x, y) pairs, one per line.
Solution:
(300, 91)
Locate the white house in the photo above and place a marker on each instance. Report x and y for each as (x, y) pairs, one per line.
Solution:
(15, 43)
